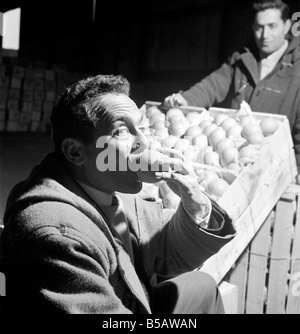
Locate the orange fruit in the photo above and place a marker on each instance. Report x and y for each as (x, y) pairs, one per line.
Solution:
(157, 117)
(229, 156)
(256, 138)
(217, 187)
(169, 141)
(217, 135)
(220, 118)
(244, 120)
(228, 123)
(177, 129)
(205, 123)
(209, 129)
(248, 152)
(200, 141)
(162, 133)
(212, 159)
(191, 154)
(174, 113)
(235, 131)
(249, 129)
(194, 118)
(223, 144)
(152, 111)
(182, 144)
(234, 167)
(269, 126)
(193, 131)
(158, 125)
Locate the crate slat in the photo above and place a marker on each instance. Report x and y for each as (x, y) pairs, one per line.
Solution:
(238, 277)
(250, 221)
(229, 293)
(258, 261)
(280, 256)
(293, 304)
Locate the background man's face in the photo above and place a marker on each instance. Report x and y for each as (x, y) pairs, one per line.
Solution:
(270, 31)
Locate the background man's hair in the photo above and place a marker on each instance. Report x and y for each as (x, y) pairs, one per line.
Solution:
(79, 110)
(261, 5)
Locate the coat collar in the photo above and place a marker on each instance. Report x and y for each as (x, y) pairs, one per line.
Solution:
(250, 57)
(251, 64)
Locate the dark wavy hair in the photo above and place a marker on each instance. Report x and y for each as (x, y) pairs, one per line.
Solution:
(261, 5)
(79, 110)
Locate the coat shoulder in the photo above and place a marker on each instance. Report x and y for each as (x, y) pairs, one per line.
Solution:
(45, 219)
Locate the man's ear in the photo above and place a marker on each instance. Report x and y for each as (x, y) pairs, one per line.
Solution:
(288, 26)
(73, 151)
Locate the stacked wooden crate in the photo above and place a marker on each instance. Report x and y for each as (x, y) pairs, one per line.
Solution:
(28, 93)
(27, 96)
(249, 201)
(254, 194)
(267, 274)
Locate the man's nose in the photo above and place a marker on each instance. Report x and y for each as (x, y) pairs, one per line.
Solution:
(266, 32)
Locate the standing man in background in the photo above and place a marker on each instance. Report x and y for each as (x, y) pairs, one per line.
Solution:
(267, 75)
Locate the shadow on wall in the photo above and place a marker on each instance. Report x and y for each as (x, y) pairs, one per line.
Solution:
(19, 153)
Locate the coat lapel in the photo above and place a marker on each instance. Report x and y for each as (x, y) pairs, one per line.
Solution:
(251, 65)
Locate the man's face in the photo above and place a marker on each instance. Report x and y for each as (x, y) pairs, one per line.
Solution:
(112, 150)
(270, 31)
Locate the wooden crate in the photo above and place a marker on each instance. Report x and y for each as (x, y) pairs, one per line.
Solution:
(267, 274)
(229, 293)
(255, 192)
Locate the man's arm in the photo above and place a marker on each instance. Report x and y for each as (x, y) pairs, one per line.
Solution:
(198, 229)
(214, 88)
(185, 247)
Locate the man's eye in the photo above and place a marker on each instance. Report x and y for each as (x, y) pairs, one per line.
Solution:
(122, 132)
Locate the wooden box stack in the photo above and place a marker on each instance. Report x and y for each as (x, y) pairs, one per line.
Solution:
(273, 254)
(255, 192)
(28, 94)
(267, 274)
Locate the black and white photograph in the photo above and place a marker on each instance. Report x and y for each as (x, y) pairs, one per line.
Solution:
(150, 160)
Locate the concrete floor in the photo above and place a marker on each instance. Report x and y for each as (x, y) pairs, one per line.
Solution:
(19, 152)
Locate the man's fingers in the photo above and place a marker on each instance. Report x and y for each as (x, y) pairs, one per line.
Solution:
(180, 101)
(172, 177)
(177, 182)
(178, 166)
(169, 101)
(175, 100)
